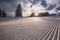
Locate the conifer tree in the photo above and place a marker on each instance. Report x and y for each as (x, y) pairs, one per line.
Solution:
(19, 11)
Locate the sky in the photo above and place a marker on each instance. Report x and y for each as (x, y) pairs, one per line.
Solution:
(29, 6)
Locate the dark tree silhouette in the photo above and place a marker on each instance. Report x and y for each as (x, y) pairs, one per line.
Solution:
(19, 11)
(44, 14)
(32, 15)
(59, 14)
(4, 13)
(0, 12)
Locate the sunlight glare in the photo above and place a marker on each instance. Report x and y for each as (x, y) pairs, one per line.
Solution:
(36, 14)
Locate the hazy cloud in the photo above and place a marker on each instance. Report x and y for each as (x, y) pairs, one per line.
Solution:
(10, 5)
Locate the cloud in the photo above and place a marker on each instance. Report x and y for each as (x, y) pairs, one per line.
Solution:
(38, 8)
(29, 6)
(52, 1)
(8, 5)
(8, 1)
(58, 8)
(51, 7)
(44, 3)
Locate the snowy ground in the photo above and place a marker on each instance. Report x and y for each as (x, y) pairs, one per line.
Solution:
(34, 28)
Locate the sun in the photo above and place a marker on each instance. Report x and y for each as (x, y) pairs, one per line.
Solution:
(36, 14)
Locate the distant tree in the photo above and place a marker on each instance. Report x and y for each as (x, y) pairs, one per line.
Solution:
(59, 14)
(44, 14)
(19, 11)
(4, 13)
(32, 15)
(0, 12)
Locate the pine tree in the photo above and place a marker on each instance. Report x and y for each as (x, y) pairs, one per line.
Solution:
(0, 12)
(4, 13)
(19, 11)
